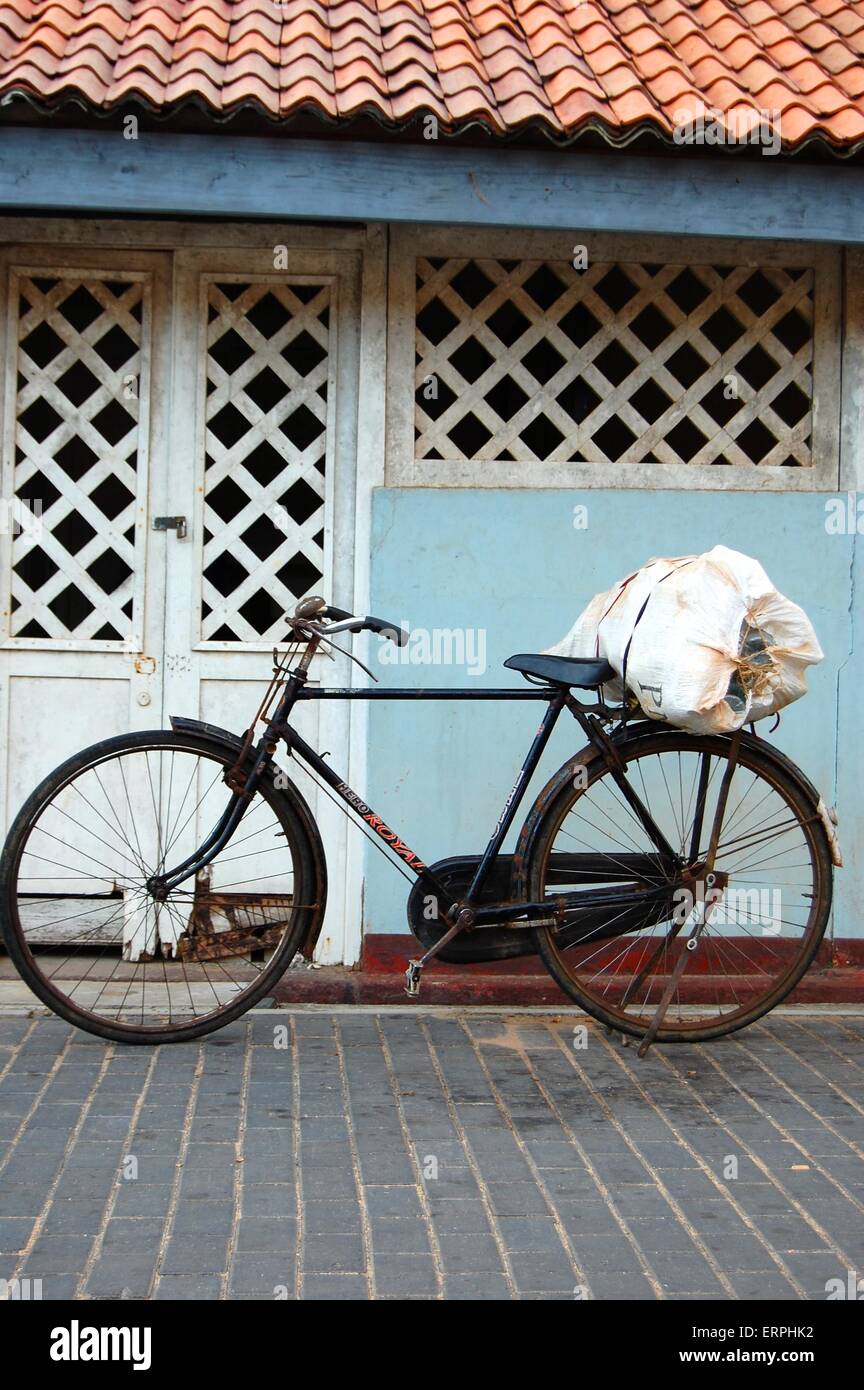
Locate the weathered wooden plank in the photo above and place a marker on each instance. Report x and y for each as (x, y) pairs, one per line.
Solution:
(852, 377)
(226, 176)
(67, 921)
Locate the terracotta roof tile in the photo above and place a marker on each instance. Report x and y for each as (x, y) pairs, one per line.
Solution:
(633, 107)
(654, 63)
(562, 64)
(837, 58)
(806, 76)
(149, 40)
(317, 66)
(669, 89)
(851, 124)
(852, 83)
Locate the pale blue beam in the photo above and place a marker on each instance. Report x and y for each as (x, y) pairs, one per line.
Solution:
(245, 177)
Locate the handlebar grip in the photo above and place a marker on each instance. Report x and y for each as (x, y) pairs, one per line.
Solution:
(387, 629)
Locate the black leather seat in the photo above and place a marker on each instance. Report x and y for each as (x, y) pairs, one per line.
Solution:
(563, 670)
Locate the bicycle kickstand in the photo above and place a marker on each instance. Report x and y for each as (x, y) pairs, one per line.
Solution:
(692, 941)
(690, 945)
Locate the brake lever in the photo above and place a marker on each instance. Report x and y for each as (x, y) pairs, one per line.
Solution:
(350, 656)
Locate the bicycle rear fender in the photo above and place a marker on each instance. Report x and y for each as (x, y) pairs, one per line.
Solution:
(530, 829)
(630, 734)
(233, 742)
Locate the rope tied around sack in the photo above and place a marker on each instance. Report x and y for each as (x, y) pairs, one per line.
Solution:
(755, 668)
(753, 675)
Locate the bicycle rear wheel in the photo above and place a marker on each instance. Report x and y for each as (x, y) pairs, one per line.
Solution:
(93, 942)
(773, 863)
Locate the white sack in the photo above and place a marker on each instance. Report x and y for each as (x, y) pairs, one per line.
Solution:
(717, 646)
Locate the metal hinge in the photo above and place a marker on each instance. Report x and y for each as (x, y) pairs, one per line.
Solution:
(171, 523)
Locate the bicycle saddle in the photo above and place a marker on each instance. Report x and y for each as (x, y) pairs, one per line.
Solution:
(563, 670)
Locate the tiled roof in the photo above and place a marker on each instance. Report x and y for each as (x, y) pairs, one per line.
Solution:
(560, 64)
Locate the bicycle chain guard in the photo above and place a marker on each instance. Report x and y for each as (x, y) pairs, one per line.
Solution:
(486, 943)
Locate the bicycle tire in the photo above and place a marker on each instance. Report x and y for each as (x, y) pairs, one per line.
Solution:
(791, 786)
(280, 801)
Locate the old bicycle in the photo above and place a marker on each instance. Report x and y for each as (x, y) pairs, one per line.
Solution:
(158, 884)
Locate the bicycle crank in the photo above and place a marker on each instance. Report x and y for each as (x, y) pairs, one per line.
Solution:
(464, 922)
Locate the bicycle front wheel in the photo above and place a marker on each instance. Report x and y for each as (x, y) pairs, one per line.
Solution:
(773, 867)
(90, 938)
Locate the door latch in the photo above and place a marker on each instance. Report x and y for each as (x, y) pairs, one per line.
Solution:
(171, 523)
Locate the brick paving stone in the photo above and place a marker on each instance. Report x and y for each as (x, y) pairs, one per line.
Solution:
(478, 1287)
(534, 1272)
(140, 1199)
(191, 1254)
(262, 1275)
(329, 1182)
(335, 1287)
(619, 1286)
(679, 1271)
(261, 1234)
(61, 1254)
(461, 1167)
(459, 1214)
(340, 1216)
(14, 1232)
(392, 1201)
(526, 1233)
(204, 1218)
(587, 1218)
(119, 1274)
(518, 1199)
(663, 1232)
(195, 1287)
(122, 1233)
(765, 1284)
(404, 1234)
(329, 1252)
(21, 1201)
(469, 1253)
(405, 1276)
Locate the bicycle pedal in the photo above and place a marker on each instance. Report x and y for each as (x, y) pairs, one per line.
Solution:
(412, 978)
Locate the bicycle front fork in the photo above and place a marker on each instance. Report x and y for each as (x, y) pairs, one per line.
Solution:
(243, 786)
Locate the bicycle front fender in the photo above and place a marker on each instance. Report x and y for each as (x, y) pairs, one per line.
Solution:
(233, 742)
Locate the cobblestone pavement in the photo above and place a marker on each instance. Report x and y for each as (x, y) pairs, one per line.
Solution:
(380, 1153)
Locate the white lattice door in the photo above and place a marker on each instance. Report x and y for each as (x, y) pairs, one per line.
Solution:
(262, 447)
(85, 350)
(141, 387)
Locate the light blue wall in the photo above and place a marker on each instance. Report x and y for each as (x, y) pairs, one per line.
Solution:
(512, 564)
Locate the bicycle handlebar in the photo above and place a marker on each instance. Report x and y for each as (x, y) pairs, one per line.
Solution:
(314, 608)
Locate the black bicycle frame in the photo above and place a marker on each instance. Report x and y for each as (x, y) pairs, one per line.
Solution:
(555, 699)
(278, 728)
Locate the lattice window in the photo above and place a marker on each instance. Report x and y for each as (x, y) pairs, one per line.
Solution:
(624, 363)
(76, 454)
(268, 363)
